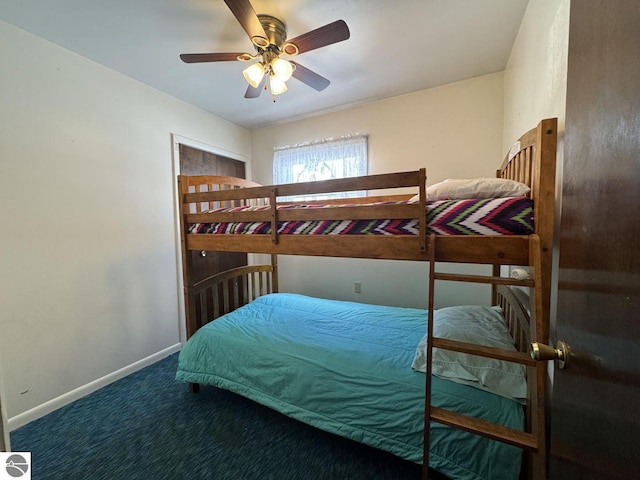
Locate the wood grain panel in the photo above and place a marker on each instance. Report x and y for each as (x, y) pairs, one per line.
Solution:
(595, 429)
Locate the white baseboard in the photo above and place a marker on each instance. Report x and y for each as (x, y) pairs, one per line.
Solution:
(58, 402)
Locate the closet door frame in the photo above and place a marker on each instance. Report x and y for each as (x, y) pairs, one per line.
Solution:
(176, 141)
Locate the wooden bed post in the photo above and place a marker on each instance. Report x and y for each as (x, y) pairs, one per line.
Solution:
(187, 264)
(274, 272)
(541, 259)
(539, 329)
(544, 191)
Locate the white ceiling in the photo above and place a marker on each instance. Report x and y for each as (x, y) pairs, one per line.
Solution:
(396, 47)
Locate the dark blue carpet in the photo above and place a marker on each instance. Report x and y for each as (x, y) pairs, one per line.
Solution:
(148, 426)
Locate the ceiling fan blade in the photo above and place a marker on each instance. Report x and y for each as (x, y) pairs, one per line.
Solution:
(320, 37)
(208, 57)
(254, 92)
(310, 77)
(247, 17)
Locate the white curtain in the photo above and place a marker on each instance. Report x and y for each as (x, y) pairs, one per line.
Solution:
(322, 160)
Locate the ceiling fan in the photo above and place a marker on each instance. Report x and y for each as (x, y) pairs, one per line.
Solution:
(269, 37)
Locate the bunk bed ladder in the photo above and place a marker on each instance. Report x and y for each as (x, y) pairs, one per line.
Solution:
(531, 440)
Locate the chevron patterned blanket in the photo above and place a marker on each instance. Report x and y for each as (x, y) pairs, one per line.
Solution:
(489, 216)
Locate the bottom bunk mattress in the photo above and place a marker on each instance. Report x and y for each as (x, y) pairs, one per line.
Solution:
(346, 368)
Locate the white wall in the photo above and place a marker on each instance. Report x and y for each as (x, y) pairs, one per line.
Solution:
(535, 80)
(88, 267)
(5, 440)
(453, 131)
(535, 87)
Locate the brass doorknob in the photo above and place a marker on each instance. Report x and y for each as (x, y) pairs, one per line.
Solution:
(542, 352)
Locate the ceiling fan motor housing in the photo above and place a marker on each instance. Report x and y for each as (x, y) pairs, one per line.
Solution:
(274, 28)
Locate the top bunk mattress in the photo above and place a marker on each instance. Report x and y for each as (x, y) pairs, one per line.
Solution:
(487, 216)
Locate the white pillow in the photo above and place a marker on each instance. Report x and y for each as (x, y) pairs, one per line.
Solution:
(479, 325)
(457, 189)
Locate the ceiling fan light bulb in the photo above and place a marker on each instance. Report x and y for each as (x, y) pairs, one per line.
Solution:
(277, 85)
(282, 69)
(253, 74)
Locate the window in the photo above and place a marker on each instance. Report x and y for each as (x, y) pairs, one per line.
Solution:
(323, 160)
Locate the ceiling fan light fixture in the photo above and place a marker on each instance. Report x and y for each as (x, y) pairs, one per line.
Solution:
(277, 85)
(260, 41)
(245, 57)
(269, 37)
(290, 49)
(253, 74)
(282, 69)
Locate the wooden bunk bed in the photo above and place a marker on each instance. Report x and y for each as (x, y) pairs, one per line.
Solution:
(213, 201)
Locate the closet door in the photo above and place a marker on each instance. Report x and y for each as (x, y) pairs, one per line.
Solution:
(194, 161)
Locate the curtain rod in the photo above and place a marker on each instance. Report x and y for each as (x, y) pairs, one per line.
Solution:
(352, 136)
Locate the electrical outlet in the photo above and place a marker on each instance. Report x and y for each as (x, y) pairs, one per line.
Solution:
(357, 287)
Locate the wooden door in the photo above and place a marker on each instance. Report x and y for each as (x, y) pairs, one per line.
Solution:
(595, 412)
(194, 161)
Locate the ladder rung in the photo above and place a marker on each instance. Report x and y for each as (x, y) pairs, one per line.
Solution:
(459, 277)
(483, 351)
(486, 429)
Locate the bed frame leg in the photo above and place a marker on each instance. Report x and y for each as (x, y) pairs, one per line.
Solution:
(194, 387)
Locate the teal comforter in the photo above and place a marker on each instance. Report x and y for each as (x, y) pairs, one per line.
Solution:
(346, 368)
